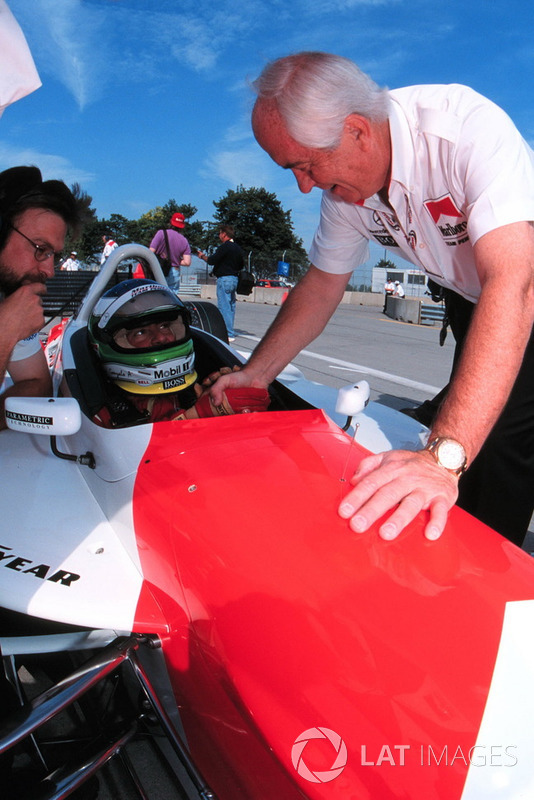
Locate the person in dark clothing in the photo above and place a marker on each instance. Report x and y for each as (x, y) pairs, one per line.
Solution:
(511, 439)
(227, 261)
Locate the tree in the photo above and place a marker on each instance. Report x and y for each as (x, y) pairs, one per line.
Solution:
(159, 217)
(262, 228)
(79, 242)
(385, 263)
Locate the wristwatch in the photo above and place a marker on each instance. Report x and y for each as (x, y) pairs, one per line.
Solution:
(448, 453)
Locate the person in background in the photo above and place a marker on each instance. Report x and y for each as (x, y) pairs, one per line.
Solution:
(109, 246)
(389, 291)
(399, 289)
(180, 251)
(444, 173)
(227, 262)
(35, 217)
(71, 264)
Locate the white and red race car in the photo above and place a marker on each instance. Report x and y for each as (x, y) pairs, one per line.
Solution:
(270, 652)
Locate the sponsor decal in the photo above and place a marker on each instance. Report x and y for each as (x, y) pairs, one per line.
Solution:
(449, 220)
(391, 220)
(409, 214)
(170, 372)
(385, 240)
(172, 384)
(27, 566)
(381, 233)
(30, 420)
(143, 289)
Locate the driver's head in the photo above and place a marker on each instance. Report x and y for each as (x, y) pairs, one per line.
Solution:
(140, 330)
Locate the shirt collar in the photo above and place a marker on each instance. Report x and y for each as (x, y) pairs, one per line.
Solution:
(402, 146)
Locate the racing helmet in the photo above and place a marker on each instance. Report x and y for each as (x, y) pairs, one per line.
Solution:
(116, 332)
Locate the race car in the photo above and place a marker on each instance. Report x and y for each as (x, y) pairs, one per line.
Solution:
(151, 592)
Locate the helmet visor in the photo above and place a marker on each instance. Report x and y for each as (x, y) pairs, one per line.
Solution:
(152, 334)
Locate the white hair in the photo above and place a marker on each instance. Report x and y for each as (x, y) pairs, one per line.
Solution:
(315, 92)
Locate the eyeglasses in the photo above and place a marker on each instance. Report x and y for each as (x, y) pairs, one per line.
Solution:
(41, 253)
(151, 334)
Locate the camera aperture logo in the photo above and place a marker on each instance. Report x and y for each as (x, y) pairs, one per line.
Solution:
(331, 740)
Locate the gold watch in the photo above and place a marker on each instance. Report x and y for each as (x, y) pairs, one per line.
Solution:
(448, 453)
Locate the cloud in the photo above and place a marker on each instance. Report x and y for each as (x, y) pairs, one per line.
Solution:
(202, 38)
(51, 166)
(66, 38)
(90, 46)
(244, 166)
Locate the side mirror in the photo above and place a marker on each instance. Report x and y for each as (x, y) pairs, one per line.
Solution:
(51, 416)
(351, 400)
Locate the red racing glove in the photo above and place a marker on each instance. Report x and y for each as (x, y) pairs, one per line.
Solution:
(235, 401)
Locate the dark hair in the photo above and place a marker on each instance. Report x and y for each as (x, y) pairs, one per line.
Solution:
(228, 230)
(22, 188)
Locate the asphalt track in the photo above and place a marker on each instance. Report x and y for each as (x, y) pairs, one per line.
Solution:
(403, 363)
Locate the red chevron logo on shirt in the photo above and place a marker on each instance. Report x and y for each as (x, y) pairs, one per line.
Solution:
(442, 207)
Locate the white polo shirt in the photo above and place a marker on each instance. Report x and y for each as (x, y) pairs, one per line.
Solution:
(26, 348)
(460, 168)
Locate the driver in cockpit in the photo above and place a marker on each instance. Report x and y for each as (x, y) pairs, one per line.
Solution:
(140, 332)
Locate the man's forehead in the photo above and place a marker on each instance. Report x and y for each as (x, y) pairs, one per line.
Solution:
(38, 217)
(272, 135)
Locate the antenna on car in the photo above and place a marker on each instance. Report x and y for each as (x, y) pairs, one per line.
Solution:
(351, 400)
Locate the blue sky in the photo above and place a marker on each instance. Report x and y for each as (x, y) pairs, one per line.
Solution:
(144, 100)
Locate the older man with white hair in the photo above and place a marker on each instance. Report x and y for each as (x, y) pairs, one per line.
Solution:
(443, 176)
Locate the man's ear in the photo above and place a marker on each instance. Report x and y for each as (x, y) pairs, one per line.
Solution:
(359, 128)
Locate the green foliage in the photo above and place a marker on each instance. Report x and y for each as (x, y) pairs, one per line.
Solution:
(263, 229)
(385, 263)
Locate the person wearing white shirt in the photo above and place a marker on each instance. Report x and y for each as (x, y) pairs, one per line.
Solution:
(71, 264)
(109, 246)
(389, 291)
(441, 176)
(399, 289)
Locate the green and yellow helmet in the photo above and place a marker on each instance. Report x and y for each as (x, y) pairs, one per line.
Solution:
(117, 319)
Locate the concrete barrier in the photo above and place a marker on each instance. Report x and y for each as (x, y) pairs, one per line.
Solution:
(275, 296)
(405, 309)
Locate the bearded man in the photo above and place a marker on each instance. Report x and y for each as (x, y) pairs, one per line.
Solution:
(35, 216)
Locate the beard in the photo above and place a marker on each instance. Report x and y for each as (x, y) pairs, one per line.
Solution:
(10, 281)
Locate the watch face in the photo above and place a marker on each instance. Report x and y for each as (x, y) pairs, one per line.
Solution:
(451, 454)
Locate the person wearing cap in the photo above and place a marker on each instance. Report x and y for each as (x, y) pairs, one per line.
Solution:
(179, 253)
(71, 264)
(399, 289)
(140, 331)
(35, 216)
